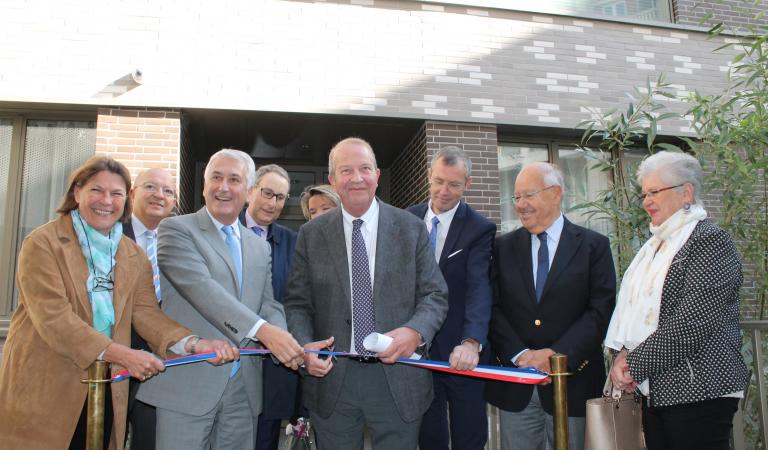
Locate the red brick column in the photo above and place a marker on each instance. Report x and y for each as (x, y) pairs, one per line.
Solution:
(140, 138)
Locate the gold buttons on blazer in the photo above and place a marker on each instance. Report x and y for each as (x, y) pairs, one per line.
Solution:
(537, 322)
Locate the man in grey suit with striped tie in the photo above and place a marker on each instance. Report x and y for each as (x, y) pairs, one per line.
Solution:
(365, 267)
(203, 258)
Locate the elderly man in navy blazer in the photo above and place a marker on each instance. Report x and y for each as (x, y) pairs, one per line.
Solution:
(265, 203)
(462, 241)
(554, 292)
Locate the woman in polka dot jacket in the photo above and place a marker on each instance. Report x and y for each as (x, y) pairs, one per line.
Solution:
(675, 328)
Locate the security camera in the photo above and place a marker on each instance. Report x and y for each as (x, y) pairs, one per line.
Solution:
(137, 76)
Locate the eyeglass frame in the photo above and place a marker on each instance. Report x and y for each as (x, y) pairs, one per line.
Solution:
(270, 194)
(152, 188)
(452, 185)
(531, 195)
(654, 192)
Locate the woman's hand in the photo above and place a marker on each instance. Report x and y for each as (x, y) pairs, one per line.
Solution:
(620, 375)
(140, 364)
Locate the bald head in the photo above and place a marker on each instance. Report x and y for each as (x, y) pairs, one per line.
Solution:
(153, 197)
(538, 193)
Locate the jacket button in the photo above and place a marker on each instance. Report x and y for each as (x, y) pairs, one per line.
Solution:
(537, 322)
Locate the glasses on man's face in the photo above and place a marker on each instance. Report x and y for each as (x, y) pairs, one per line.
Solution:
(269, 194)
(453, 185)
(152, 188)
(103, 283)
(530, 195)
(654, 192)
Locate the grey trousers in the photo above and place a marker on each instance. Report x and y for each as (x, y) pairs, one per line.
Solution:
(365, 401)
(228, 426)
(533, 429)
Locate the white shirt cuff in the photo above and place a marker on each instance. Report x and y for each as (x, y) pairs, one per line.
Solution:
(255, 329)
(178, 347)
(514, 358)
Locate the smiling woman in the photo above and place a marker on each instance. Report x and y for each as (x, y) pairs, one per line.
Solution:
(81, 288)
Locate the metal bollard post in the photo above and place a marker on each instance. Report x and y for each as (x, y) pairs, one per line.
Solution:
(97, 373)
(559, 364)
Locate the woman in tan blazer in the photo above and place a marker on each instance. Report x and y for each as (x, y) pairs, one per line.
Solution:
(81, 287)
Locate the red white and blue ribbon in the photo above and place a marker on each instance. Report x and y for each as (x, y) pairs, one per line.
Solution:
(507, 374)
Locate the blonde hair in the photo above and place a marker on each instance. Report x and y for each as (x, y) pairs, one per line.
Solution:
(317, 189)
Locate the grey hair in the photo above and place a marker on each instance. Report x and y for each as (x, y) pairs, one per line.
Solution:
(552, 175)
(271, 168)
(452, 155)
(319, 189)
(343, 142)
(238, 155)
(673, 168)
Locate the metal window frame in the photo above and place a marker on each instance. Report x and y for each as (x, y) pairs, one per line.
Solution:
(8, 239)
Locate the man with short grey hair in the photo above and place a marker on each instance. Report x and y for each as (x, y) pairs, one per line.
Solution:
(462, 240)
(217, 282)
(554, 292)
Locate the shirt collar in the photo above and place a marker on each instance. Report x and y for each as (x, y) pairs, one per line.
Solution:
(444, 217)
(370, 215)
(219, 225)
(250, 222)
(555, 230)
(138, 226)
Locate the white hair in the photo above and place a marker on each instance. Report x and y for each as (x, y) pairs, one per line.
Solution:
(673, 168)
(237, 155)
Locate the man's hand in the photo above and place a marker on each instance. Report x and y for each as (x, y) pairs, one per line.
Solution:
(315, 366)
(140, 364)
(404, 342)
(538, 359)
(465, 356)
(225, 352)
(620, 375)
(282, 344)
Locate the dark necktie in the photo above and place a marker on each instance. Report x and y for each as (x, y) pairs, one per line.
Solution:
(363, 314)
(543, 265)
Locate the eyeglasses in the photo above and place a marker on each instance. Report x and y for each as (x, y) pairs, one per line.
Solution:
(530, 195)
(103, 283)
(152, 188)
(654, 192)
(453, 185)
(269, 194)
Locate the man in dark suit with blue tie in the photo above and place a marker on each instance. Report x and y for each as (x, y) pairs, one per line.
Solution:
(265, 203)
(554, 292)
(153, 197)
(462, 240)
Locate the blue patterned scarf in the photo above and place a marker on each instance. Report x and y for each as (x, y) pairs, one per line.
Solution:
(99, 252)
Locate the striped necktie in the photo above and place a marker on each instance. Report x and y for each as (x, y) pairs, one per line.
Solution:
(151, 242)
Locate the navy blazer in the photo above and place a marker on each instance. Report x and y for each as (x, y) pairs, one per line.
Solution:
(465, 263)
(280, 383)
(571, 318)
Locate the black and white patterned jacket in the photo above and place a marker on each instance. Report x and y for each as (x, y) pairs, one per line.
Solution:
(694, 354)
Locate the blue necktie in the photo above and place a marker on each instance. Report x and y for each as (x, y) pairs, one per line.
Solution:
(543, 265)
(151, 240)
(234, 252)
(433, 234)
(363, 313)
(259, 232)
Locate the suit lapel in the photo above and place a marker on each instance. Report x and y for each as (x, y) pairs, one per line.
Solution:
(523, 251)
(248, 242)
(214, 239)
(386, 236)
(77, 268)
(457, 226)
(570, 241)
(337, 251)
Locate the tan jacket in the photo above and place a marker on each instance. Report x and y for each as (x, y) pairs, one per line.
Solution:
(51, 341)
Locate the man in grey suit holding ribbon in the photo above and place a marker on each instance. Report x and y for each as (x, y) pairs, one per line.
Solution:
(217, 282)
(366, 267)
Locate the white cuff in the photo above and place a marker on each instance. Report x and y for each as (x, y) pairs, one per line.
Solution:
(514, 358)
(179, 347)
(255, 329)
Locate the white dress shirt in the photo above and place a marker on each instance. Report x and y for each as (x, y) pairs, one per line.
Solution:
(370, 231)
(445, 219)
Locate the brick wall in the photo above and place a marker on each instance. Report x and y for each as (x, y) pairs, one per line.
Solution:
(140, 138)
(480, 144)
(737, 15)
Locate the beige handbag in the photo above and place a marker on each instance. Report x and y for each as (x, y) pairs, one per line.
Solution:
(614, 421)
